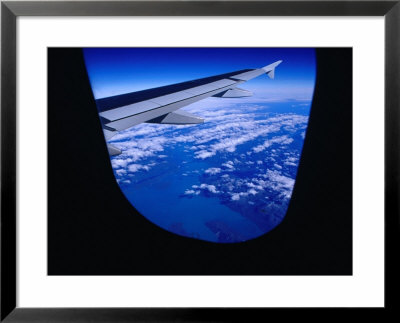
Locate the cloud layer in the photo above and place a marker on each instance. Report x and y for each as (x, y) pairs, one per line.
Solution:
(244, 155)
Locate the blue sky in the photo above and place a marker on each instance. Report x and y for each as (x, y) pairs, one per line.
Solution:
(114, 71)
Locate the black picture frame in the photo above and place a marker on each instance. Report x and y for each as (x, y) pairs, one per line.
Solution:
(10, 10)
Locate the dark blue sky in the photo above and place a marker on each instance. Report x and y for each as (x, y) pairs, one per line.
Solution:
(115, 71)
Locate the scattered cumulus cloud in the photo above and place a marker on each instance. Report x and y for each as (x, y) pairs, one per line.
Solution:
(223, 133)
(213, 171)
(136, 167)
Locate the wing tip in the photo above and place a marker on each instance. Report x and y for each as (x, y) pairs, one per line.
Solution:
(270, 69)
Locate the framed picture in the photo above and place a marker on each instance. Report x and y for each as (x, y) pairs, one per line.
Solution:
(197, 158)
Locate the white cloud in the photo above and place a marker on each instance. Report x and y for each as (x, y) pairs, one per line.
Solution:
(120, 162)
(252, 191)
(192, 192)
(136, 167)
(213, 170)
(278, 182)
(120, 172)
(255, 186)
(291, 161)
(235, 197)
(210, 188)
(203, 154)
(229, 164)
(282, 140)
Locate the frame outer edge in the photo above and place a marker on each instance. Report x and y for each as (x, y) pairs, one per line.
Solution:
(202, 8)
(9, 11)
(8, 161)
(392, 153)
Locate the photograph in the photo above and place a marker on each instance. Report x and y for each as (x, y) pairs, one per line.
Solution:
(199, 161)
(221, 169)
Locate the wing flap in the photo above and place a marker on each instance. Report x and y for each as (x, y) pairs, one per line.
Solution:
(113, 151)
(234, 93)
(178, 118)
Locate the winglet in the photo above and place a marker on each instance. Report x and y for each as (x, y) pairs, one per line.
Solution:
(270, 69)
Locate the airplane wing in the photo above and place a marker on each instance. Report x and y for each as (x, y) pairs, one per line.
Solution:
(159, 105)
